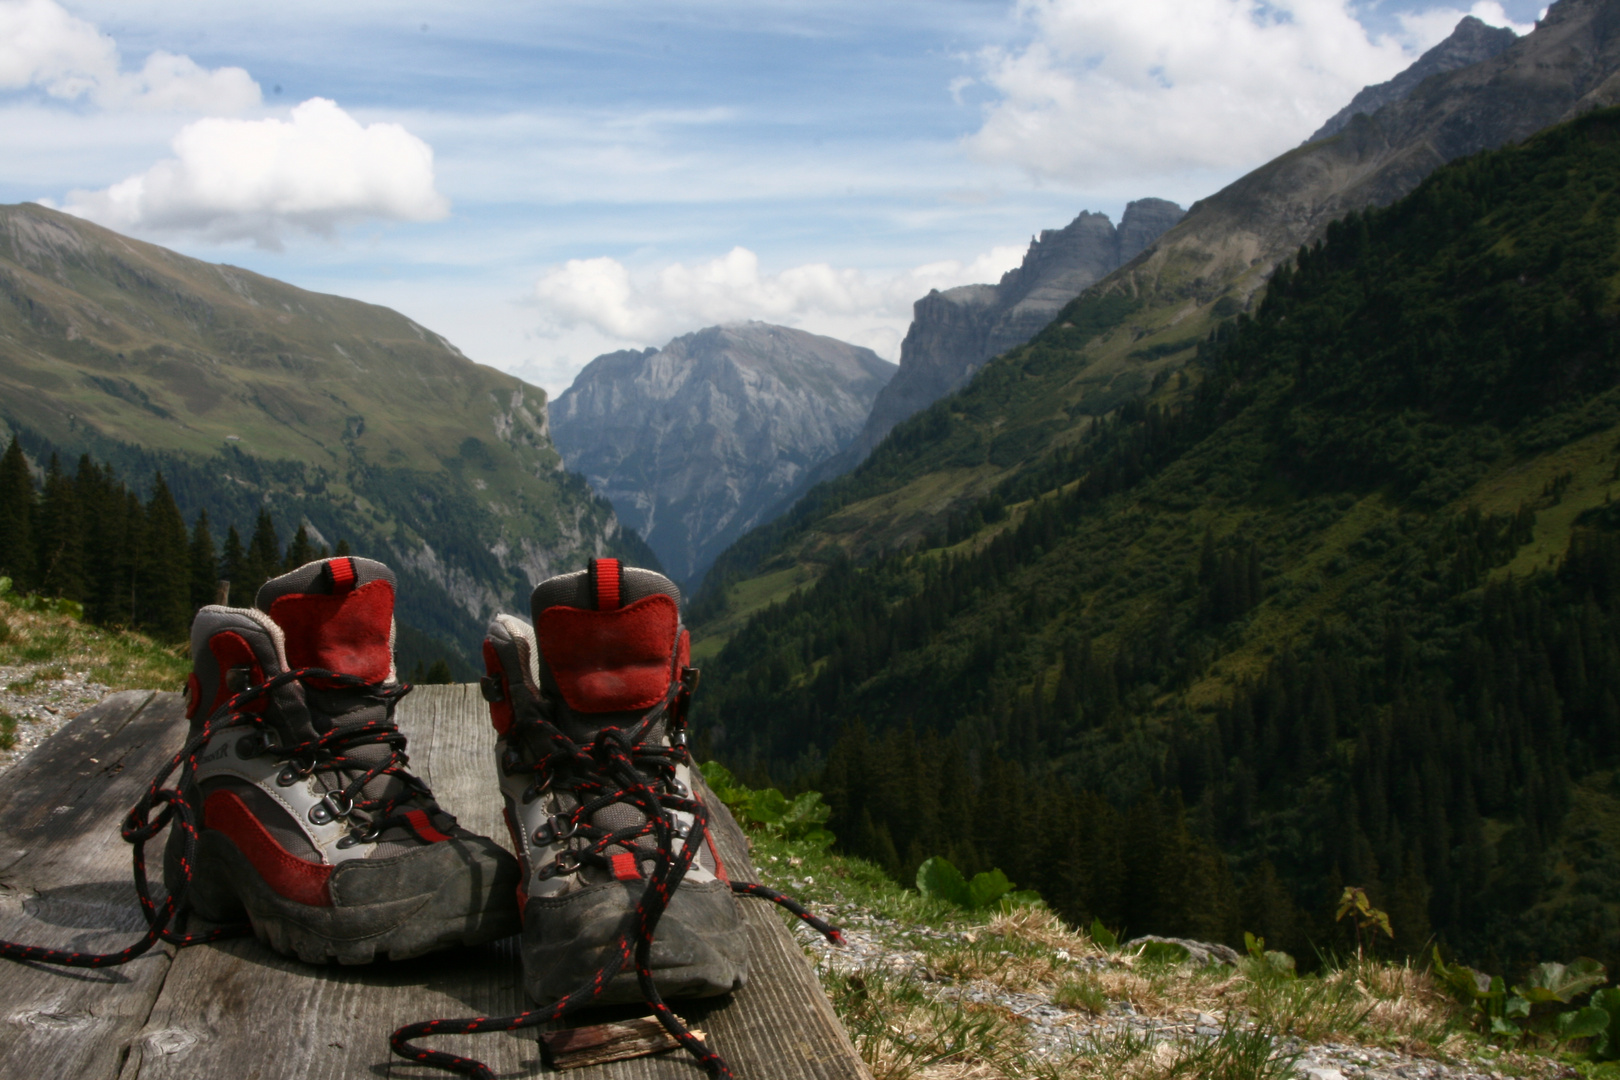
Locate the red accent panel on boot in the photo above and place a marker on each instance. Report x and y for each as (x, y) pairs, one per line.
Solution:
(624, 867)
(683, 653)
(422, 826)
(607, 574)
(714, 853)
(347, 633)
(299, 881)
(193, 692)
(231, 650)
(610, 661)
(500, 712)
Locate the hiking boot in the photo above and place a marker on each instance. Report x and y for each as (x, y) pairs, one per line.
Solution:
(313, 829)
(605, 665)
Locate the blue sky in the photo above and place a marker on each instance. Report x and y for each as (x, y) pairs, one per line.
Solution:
(542, 182)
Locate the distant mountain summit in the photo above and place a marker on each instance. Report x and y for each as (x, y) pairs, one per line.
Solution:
(698, 442)
(1471, 42)
(954, 332)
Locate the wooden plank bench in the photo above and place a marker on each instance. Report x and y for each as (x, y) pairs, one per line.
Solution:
(236, 1009)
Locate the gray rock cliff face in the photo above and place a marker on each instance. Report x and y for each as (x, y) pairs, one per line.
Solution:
(1471, 42)
(954, 332)
(700, 441)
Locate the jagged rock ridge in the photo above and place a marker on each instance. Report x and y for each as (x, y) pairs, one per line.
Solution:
(954, 332)
(1471, 42)
(700, 441)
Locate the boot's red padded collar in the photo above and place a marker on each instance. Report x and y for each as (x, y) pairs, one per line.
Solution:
(346, 632)
(611, 661)
(607, 583)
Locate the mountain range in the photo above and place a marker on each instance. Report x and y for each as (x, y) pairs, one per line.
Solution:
(249, 393)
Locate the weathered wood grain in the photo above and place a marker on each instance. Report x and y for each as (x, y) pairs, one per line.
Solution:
(65, 883)
(237, 1009)
(596, 1044)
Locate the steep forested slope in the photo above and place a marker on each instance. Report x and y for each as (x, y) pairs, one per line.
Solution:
(1338, 603)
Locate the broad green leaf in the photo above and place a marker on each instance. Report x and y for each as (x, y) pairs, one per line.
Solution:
(986, 888)
(1517, 1007)
(1103, 936)
(939, 880)
(1607, 1047)
(1021, 898)
(1586, 1023)
(1499, 1026)
(767, 806)
(1164, 952)
(1562, 982)
(1256, 947)
(807, 809)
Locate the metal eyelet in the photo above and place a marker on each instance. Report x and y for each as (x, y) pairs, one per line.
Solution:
(510, 760)
(251, 746)
(679, 788)
(566, 863)
(535, 790)
(320, 813)
(288, 776)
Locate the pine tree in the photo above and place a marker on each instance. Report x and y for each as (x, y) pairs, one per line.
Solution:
(233, 566)
(60, 537)
(300, 551)
(264, 558)
(17, 558)
(204, 562)
(165, 570)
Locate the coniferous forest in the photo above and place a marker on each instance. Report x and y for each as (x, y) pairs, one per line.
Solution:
(1313, 613)
(89, 538)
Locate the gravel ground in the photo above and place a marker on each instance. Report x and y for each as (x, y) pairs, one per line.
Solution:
(876, 942)
(42, 697)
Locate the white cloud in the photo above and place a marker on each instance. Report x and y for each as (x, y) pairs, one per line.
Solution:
(1161, 88)
(1435, 24)
(602, 294)
(254, 179)
(43, 45)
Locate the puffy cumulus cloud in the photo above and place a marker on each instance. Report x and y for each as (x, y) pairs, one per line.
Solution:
(42, 45)
(254, 179)
(1164, 88)
(1434, 24)
(602, 294)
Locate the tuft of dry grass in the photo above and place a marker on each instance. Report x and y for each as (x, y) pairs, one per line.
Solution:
(50, 644)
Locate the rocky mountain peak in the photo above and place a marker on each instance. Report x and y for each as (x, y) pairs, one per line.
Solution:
(1471, 42)
(699, 441)
(954, 332)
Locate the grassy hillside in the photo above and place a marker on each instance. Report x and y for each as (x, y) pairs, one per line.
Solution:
(246, 391)
(1336, 603)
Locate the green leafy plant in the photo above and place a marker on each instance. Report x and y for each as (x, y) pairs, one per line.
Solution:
(1543, 1005)
(1368, 920)
(768, 810)
(938, 879)
(1268, 963)
(1105, 938)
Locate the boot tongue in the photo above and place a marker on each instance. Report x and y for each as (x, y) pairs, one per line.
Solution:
(337, 615)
